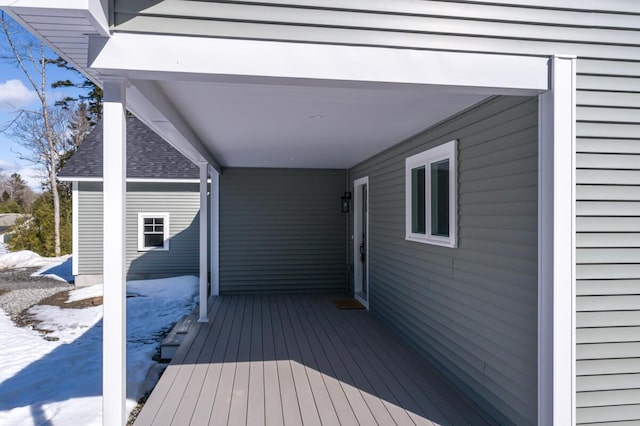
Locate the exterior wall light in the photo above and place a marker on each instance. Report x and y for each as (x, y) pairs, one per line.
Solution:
(345, 202)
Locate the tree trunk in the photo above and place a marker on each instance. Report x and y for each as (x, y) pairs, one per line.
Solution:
(53, 154)
(56, 211)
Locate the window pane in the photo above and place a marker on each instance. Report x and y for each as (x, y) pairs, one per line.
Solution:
(154, 240)
(148, 221)
(159, 228)
(159, 220)
(440, 198)
(418, 212)
(148, 228)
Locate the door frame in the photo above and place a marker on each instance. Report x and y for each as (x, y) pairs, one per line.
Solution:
(357, 225)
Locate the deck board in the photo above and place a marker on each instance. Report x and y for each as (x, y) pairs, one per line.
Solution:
(272, 397)
(256, 397)
(355, 411)
(323, 403)
(213, 360)
(192, 366)
(177, 372)
(288, 391)
(294, 359)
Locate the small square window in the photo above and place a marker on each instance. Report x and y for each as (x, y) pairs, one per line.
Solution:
(153, 231)
(431, 196)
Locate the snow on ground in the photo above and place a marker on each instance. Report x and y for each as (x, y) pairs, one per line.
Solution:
(85, 293)
(29, 259)
(3, 246)
(60, 382)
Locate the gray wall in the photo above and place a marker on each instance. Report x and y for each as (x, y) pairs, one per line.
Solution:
(282, 230)
(180, 200)
(472, 309)
(603, 34)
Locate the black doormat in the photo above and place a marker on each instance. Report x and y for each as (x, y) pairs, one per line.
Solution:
(347, 304)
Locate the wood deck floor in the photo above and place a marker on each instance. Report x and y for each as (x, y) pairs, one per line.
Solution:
(296, 359)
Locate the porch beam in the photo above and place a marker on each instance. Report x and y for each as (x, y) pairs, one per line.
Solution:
(204, 219)
(114, 359)
(268, 62)
(150, 102)
(556, 246)
(215, 231)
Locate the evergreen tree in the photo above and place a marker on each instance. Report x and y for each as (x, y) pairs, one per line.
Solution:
(92, 100)
(35, 232)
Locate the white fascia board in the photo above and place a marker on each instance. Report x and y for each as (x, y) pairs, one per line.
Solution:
(93, 10)
(134, 56)
(160, 180)
(131, 180)
(80, 179)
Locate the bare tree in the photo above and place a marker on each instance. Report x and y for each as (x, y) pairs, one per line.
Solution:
(39, 131)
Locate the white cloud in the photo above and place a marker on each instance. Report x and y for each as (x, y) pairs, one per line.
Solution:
(15, 95)
(33, 177)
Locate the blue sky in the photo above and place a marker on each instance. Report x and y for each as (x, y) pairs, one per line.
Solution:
(16, 93)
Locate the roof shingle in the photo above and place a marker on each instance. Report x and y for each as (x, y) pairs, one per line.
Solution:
(148, 156)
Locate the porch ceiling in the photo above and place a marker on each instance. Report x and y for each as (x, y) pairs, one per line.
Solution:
(265, 125)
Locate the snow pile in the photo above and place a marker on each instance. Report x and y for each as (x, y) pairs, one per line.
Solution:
(85, 293)
(29, 259)
(60, 382)
(3, 246)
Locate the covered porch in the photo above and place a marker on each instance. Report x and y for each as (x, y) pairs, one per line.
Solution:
(294, 359)
(230, 103)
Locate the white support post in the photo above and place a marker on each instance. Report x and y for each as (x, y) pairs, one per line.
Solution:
(556, 247)
(204, 219)
(114, 359)
(215, 231)
(75, 227)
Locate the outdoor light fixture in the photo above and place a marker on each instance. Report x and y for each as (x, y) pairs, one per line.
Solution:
(345, 202)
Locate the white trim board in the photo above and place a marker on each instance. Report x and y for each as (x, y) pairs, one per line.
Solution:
(357, 277)
(556, 247)
(214, 199)
(133, 180)
(134, 56)
(203, 243)
(75, 228)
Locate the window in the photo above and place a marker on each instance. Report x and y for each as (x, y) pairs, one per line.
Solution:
(153, 231)
(431, 196)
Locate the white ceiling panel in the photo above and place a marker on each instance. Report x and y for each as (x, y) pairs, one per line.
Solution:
(253, 125)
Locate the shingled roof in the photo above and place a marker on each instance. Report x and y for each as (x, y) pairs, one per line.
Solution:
(148, 156)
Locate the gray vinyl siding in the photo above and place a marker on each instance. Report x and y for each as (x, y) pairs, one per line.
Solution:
(90, 236)
(281, 230)
(603, 34)
(472, 309)
(608, 242)
(180, 200)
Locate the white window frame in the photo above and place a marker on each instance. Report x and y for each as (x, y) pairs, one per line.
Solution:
(446, 151)
(148, 215)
